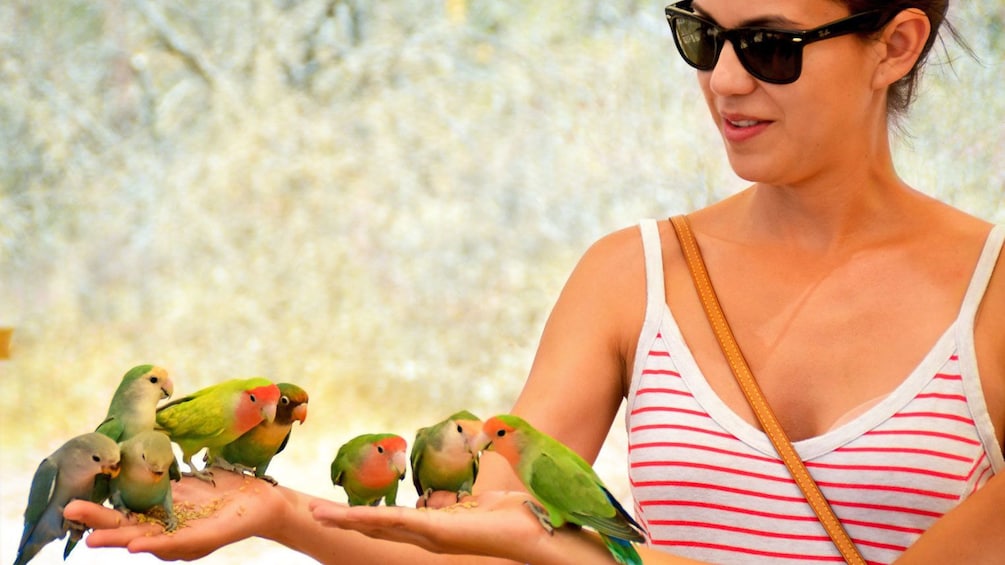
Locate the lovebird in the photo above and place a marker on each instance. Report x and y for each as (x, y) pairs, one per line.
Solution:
(143, 481)
(134, 403)
(369, 467)
(217, 415)
(253, 451)
(444, 456)
(564, 483)
(65, 475)
(132, 410)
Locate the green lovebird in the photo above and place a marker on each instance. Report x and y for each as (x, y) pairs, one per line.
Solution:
(564, 483)
(65, 475)
(134, 403)
(143, 482)
(253, 451)
(217, 415)
(369, 467)
(133, 410)
(444, 456)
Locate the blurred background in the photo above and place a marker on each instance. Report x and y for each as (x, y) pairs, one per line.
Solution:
(378, 201)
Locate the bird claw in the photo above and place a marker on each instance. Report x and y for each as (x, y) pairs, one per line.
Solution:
(204, 475)
(542, 516)
(245, 470)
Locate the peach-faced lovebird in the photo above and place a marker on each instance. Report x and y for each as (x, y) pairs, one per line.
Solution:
(65, 475)
(369, 467)
(217, 415)
(134, 403)
(444, 456)
(143, 481)
(564, 483)
(133, 410)
(253, 451)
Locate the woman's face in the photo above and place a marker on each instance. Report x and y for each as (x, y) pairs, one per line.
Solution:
(829, 119)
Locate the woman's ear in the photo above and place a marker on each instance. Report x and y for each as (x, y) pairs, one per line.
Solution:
(902, 41)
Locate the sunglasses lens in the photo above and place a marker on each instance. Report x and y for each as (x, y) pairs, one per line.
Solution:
(769, 57)
(696, 41)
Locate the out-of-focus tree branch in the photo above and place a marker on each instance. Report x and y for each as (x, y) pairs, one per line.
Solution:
(177, 44)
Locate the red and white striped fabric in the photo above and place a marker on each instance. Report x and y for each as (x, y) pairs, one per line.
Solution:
(708, 485)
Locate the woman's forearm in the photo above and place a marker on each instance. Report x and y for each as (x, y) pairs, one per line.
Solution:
(298, 530)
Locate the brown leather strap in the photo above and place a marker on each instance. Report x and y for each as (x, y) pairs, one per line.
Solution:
(752, 391)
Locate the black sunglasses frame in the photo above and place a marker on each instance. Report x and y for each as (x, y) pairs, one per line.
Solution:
(742, 38)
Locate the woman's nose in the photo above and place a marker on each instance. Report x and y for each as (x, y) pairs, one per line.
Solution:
(729, 77)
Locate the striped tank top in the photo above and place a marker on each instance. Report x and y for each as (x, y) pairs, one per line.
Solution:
(709, 486)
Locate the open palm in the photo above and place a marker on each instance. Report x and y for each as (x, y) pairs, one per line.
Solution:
(212, 516)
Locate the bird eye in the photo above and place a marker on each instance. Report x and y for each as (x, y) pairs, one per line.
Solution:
(380, 449)
(153, 380)
(96, 458)
(501, 433)
(253, 398)
(460, 430)
(144, 456)
(285, 400)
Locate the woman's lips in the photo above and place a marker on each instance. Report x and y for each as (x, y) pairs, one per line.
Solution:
(741, 128)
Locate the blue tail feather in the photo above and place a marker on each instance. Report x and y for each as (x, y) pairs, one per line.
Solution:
(622, 550)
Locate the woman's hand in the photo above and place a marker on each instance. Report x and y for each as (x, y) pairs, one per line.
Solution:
(237, 507)
(494, 523)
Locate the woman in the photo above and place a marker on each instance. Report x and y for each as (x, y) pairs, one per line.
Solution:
(872, 316)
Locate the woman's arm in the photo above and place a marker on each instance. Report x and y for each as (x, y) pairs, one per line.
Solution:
(582, 367)
(497, 523)
(972, 533)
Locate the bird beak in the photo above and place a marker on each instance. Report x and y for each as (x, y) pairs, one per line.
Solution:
(111, 470)
(300, 413)
(269, 412)
(400, 463)
(481, 443)
(471, 430)
(167, 390)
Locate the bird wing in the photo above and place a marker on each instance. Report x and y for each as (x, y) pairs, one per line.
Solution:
(561, 483)
(416, 456)
(43, 485)
(198, 415)
(111, 427)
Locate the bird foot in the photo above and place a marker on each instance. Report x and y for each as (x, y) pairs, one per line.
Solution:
(542, 516)
(204, 475)
(220, 463)
(171, 523)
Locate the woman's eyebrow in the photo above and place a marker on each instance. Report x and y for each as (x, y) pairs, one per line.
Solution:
(772, 21)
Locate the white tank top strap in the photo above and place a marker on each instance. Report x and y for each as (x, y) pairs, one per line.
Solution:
(655, 301)
(982, 274)
(655, 292)
(967, 351)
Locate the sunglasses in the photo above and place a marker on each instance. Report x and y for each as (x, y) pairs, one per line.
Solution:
(768, 54)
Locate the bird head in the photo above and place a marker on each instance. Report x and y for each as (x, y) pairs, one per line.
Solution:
(395, 450)
(158, 376)
(265, 399)
(470, 429)
(499, 434)
(292, 404)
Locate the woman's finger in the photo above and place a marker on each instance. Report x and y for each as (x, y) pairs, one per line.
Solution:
(121, 537)
(94, 515)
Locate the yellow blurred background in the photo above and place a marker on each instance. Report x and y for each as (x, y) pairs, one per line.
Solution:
(378, 201)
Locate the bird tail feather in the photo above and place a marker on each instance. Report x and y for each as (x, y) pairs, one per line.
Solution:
(622, 550)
